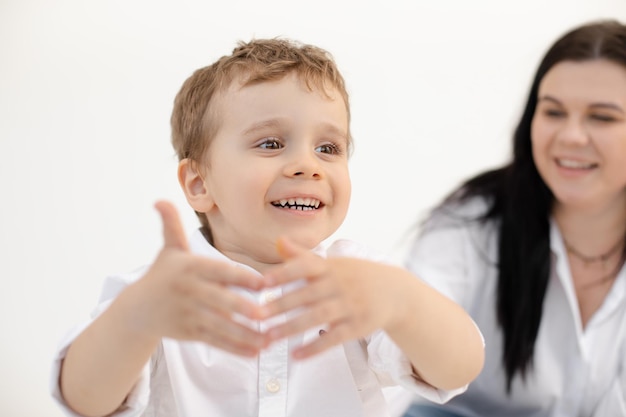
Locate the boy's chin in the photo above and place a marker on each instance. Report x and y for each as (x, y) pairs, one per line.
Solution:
(305, 242)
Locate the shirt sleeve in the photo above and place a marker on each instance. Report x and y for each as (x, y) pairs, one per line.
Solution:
(452, 253)
(137, 400)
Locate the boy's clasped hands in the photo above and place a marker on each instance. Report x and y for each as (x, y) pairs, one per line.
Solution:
(189, 297)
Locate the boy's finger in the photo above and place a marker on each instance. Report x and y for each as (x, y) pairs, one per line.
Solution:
(327, 340)
(313, 293)
(173, 232)
(299, 263)
(227, 274)
(288, 249)
(304, 266)
(230, 332)
(328, 312)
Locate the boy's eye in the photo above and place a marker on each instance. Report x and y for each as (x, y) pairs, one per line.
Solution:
(329, 148)
(270, 143)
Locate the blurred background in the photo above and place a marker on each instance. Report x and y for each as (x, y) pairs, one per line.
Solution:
(86, 91)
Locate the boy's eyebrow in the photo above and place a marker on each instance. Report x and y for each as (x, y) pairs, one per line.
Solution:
(273, 123)
(602, 105)
(334, 130)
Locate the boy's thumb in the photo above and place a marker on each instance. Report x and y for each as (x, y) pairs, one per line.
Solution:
(173, 232)
(287, 248)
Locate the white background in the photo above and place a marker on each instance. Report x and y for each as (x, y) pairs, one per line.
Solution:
(86, 90)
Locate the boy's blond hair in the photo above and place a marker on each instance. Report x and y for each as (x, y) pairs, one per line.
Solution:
(194, 124)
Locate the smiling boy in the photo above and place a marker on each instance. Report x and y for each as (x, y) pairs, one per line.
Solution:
(284, 149)
(251, 316)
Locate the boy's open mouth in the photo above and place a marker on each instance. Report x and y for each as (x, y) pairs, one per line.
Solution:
(298, 203)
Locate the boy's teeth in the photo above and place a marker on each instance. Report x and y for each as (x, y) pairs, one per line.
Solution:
(300, 203)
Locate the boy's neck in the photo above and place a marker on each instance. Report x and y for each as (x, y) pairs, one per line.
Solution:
(260, 261)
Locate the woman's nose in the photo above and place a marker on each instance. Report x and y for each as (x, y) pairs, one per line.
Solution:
(574, 132)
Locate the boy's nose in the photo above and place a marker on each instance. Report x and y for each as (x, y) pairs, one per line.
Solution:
(304, 166)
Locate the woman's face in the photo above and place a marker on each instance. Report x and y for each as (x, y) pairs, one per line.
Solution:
(579, 133)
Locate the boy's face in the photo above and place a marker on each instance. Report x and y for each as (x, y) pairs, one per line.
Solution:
(278, 166)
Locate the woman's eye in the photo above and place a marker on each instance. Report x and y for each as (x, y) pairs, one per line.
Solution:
(602, 117)
(329, 148)
(270, 143)
(554, 113)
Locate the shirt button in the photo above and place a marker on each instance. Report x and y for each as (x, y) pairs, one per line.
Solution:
(270, 296)
(272, 385)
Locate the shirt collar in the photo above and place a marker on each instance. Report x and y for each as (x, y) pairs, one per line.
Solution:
(200, 246)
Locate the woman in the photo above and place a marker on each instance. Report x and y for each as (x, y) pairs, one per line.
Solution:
(535, 250)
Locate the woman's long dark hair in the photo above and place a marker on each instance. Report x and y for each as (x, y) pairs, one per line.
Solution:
(521, 202)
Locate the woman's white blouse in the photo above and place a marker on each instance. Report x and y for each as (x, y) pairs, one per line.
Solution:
(192, 379)
(575, 372)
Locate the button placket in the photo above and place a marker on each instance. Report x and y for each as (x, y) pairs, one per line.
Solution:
(273, 364)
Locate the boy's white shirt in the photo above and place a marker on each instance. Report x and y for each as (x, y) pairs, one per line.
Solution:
(192, 379)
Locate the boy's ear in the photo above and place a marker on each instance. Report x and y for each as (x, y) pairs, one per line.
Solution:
(194, 186)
